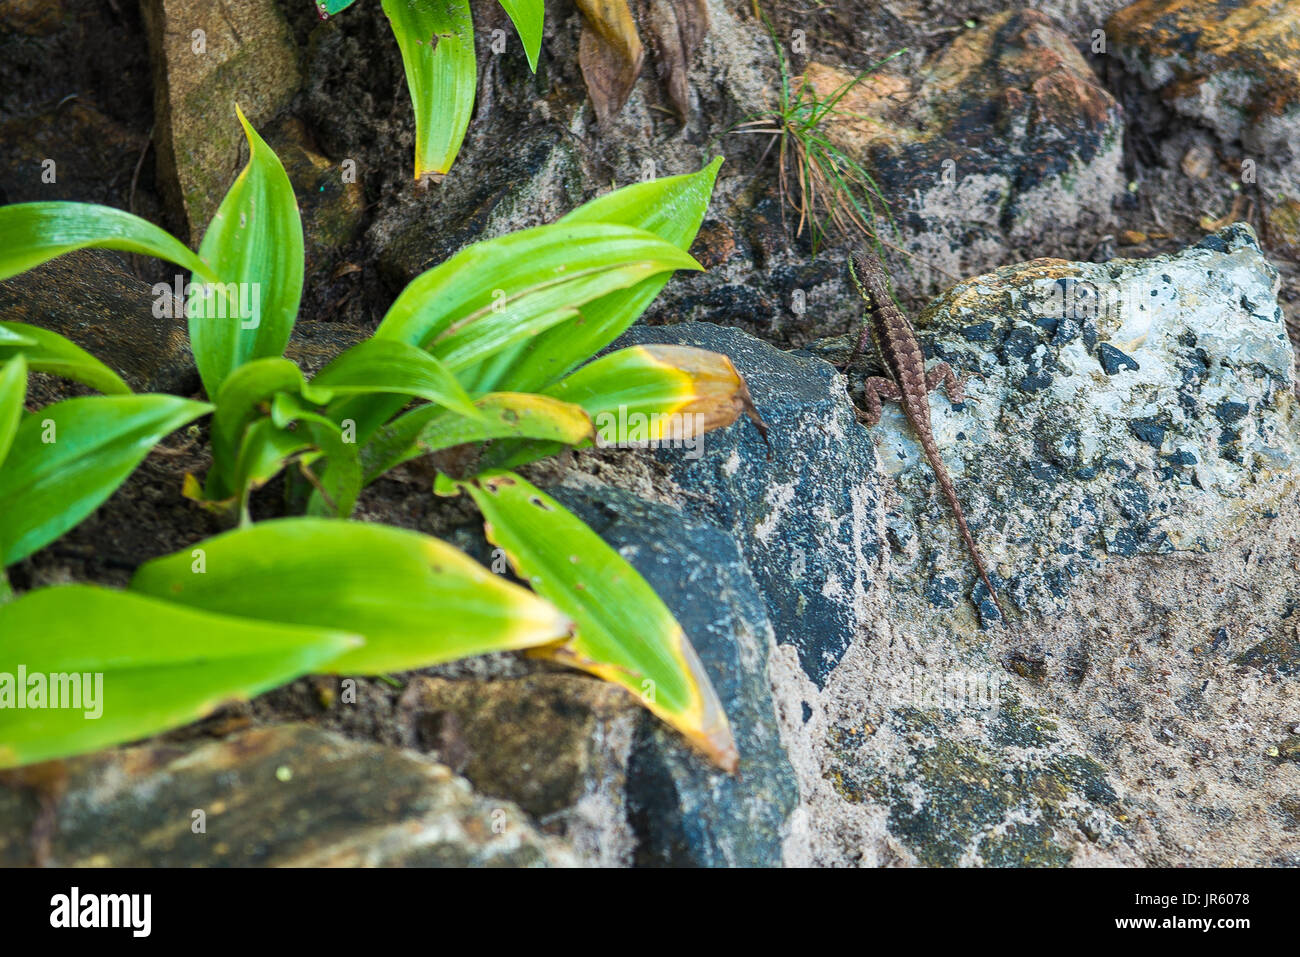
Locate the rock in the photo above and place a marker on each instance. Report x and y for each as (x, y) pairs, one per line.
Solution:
(89, 297)
(489, 197)
(1009, 794)
(1226, 65)
(330, 199)
(1133, 407)
(683, 810)
(1006, 139)
(91, 154)
(280, 796)
(34, 18)
(316, 343)
(556, 744)
(1283, 221)
(208, 57)
(807, 521)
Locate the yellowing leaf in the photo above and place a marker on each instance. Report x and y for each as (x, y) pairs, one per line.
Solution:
(625, 634)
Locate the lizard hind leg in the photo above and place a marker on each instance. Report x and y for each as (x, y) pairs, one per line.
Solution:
(952, 382)
(875, 388)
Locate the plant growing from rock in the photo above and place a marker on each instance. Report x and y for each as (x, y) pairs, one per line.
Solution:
(831, 191)
(492, 343)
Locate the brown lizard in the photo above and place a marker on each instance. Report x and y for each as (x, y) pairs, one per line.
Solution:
(908, 382)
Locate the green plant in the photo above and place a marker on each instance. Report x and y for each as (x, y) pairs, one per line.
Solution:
(493, 347)
(436, 38)
(835, 192)
(308, 595)
(59, 464)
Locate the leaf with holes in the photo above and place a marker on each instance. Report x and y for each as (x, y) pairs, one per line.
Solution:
(625, 634)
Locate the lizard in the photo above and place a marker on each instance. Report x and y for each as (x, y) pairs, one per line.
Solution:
(907, 382)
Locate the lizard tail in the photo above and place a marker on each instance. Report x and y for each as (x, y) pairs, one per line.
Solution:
(950, 494)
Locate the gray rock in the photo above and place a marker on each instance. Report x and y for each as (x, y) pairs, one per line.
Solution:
(1007, 140)
(1066, 456)
(280, 796)
(1008, 793)
(683, 810)
(208, 57)
(808, 520)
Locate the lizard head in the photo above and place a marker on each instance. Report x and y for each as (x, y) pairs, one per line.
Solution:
(868, 277)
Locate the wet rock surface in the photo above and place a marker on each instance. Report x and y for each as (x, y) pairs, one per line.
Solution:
(288, 796)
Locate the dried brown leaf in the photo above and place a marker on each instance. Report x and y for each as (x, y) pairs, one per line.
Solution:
(677, 28)
(610, 54)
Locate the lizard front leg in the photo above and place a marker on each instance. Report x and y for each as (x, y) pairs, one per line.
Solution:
(952, 383)
(876, 388)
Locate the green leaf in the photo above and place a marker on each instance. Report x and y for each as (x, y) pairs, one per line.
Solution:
(341, 483)
(625, 633)
(263, 453)
(33, 233)
(502, 415)
(69, 457)
(667, 395)
(389, 365)
(50, 352)
(672, 208)
(501, 291)
(254, 243)
(9, 339)
(13, 390)
(150, 666)
(436, 38)
(248, 387)
(417, 600)
(528, 16)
